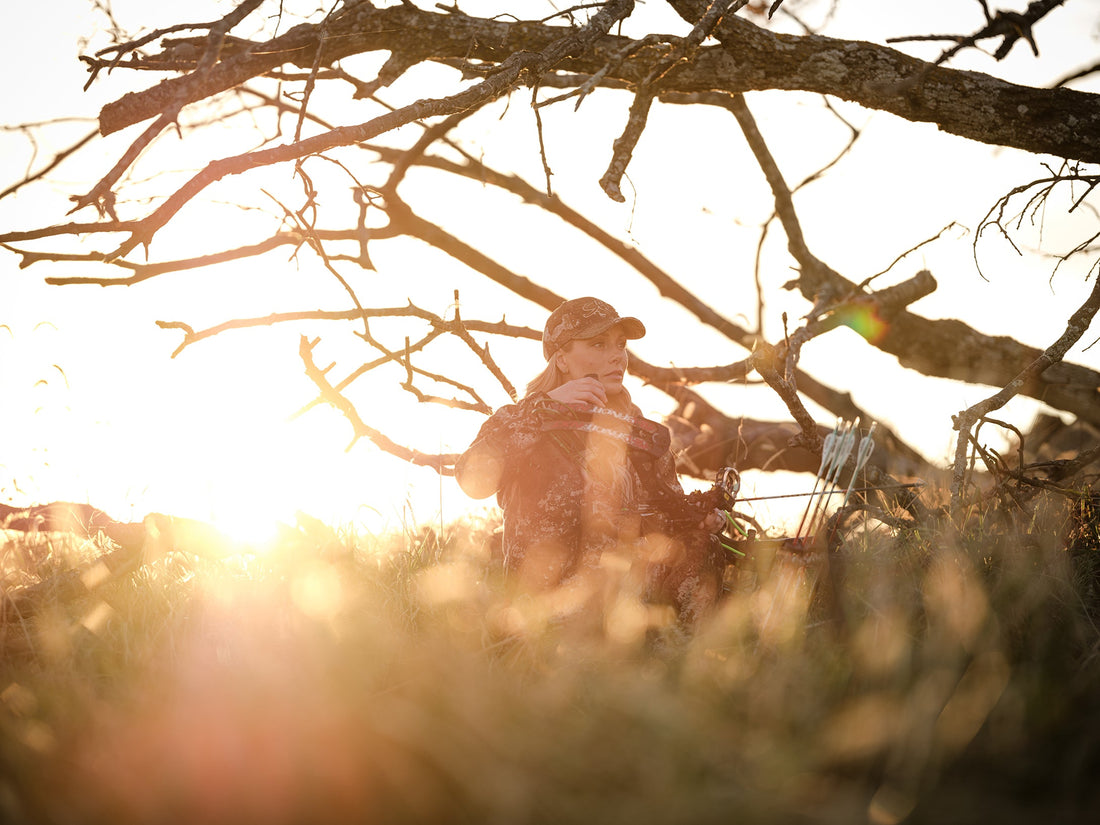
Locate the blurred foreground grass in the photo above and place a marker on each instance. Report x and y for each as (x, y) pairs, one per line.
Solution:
(956, 678)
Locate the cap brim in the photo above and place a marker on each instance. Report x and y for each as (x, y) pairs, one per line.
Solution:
(632, 327)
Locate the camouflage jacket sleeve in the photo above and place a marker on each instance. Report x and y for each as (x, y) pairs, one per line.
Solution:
(667, 481)
(509, 433)
(656, 469)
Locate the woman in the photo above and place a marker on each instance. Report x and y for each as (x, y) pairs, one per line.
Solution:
(577, 468)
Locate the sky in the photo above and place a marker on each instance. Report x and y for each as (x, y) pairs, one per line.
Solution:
(94, 408)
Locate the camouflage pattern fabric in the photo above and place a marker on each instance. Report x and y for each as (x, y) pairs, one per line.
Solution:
(571, 483)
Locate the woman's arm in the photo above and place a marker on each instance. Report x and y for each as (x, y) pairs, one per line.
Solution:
(480, 469)
(509, 433)
(669, 481)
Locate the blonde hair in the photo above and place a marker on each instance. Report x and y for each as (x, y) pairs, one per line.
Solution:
(551, 378)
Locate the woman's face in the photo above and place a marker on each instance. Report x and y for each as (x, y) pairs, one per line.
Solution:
(604, 355)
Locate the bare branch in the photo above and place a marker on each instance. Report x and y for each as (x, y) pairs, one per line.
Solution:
(217, 29)
(762, 60)
(624, 145)
(53, 164)
(443, 463)
(684, 49)
(1075, 328)
(193, 337)
(666, 285)
(815, 273)
(101, 195)
(1010, 26)
(881, 78)
(506, 77)
(1077, 75)
(403, 219)
(996, 218)
(866, 282)
(766, 361)
(496, 57)
(463, 333)
(868, 315)
(934, 347)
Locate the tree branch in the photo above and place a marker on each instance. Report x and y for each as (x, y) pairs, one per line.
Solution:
(877, 77)
(945, 348)
(1030, 375)
(750, 58)
(443, 463)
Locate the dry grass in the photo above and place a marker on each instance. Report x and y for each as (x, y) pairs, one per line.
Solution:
(394, 679)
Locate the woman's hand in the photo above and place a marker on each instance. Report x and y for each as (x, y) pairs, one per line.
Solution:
(714, 521)
(581, 391)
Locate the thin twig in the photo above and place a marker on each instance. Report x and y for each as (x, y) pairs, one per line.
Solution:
(965, 420)
(443, 463)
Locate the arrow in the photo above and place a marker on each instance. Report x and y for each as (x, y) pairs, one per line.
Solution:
(866, 447)
(828, 451)
(837, 492)
(846, 442)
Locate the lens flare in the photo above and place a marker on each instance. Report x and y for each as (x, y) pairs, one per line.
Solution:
(866, 321)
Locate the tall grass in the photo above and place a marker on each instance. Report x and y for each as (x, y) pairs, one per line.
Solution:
(949, 675)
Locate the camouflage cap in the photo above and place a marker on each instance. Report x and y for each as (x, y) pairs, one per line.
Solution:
(584, 318)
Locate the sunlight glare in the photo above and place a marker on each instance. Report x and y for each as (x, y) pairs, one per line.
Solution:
(317, 591)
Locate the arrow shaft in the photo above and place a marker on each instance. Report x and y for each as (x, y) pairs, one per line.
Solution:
(835, 492)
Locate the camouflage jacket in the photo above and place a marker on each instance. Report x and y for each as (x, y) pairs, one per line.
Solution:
(569, 476)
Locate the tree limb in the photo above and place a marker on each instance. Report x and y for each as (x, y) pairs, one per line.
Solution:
(945, 348)
(1061, 122)
(443, 463)
(1030, 375)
